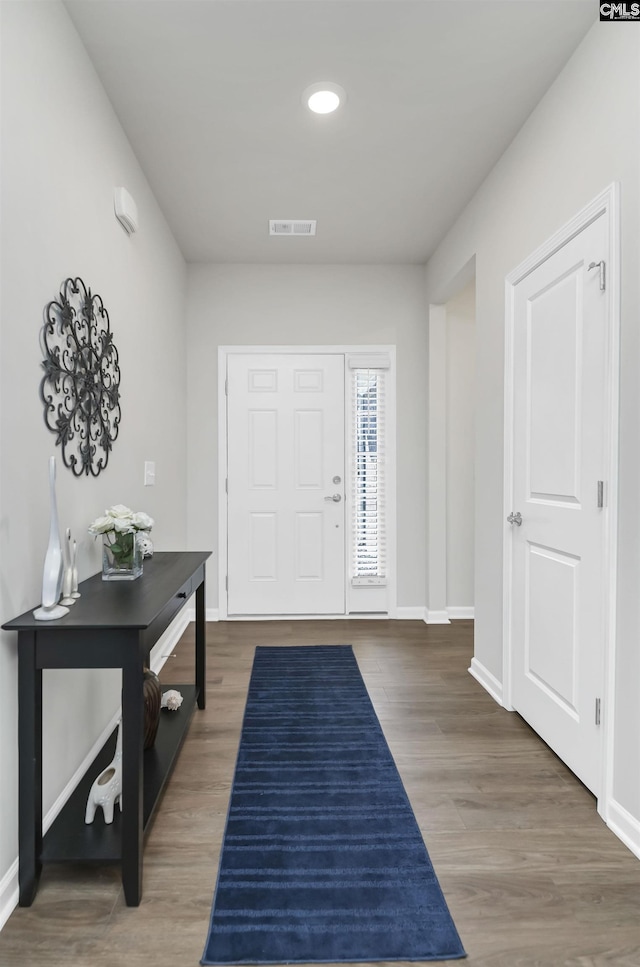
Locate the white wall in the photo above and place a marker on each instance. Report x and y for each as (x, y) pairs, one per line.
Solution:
(63, 152)
(582, 136)
(460, 443)
(309, 305)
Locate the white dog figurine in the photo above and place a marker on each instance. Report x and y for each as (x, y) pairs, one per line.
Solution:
(106, 790)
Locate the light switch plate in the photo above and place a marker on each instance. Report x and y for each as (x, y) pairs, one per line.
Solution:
(149, 473)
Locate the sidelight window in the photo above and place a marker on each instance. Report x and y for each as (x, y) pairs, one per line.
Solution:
(369, 544)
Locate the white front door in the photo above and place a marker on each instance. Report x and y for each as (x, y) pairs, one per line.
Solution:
(560, 336)
(285, 502)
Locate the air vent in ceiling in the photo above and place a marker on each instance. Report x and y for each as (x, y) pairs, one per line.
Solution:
(292, 226)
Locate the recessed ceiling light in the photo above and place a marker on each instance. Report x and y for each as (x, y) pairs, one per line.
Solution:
(324, 102)
(324, 97)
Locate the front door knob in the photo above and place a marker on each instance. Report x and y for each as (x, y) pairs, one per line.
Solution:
(336, 498)
(515, 518)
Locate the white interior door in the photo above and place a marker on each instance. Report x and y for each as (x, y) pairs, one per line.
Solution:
(285, 502)
(558, 586)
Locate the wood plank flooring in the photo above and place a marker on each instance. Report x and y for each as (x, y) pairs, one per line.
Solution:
(532, 876)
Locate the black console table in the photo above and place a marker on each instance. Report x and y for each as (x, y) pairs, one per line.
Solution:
(114, 624)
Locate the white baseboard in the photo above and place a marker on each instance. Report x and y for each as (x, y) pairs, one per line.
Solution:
(352, 616)
(410, 614)
(166, 642)
(487, 680)
(436, 617)
(9, 887)
(8, 893)
(624, 825)
(460, 614)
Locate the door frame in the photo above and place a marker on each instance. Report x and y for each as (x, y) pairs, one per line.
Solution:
(223, 353)
(607, 203)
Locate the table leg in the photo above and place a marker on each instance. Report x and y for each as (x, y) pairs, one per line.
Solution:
(29, 767)
(132, 777)
(201, 655)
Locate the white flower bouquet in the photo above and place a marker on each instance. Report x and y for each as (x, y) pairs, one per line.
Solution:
(119, 527)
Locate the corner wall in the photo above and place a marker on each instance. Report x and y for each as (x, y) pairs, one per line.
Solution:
(583, 135)
(460, 407)
(63, 152)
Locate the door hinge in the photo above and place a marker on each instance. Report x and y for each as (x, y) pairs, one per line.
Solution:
(600, 493)
(226, 583)
(602, 266)
(598, 710)
(226, 387)
(226, 485)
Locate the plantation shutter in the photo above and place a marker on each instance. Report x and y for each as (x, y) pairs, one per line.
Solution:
(369, 546)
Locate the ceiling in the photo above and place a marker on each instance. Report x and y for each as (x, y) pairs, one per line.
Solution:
(209, 93)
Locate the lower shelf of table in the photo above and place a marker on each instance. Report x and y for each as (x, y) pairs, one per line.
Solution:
(70, 839)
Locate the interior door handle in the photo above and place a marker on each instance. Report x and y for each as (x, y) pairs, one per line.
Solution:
(336, 498)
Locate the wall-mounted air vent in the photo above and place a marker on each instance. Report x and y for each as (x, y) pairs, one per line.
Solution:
(292, 226)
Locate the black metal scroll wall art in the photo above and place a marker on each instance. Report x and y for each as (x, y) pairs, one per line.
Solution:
(80, 388)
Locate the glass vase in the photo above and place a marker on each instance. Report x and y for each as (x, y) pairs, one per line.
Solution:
(121, 557)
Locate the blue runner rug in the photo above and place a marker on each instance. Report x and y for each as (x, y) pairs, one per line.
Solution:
(322, 859)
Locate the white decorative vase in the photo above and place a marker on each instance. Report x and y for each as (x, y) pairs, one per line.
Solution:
(67, 575)
(75, 594)
(53, 563)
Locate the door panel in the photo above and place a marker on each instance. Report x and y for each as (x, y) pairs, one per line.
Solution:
(263, 547)
(558, 603)
(308, 449)
(263, 449)
(285, 434)
(555, 364)
(551, 653)
(309, 547)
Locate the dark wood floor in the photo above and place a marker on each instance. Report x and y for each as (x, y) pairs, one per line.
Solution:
(531, 874)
